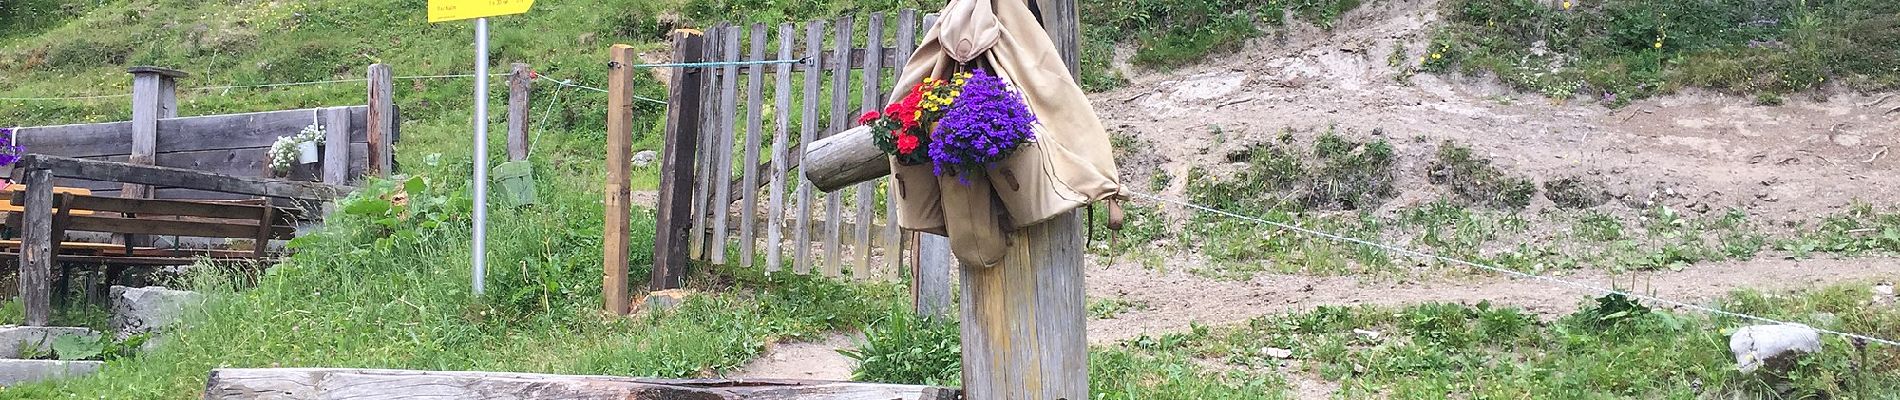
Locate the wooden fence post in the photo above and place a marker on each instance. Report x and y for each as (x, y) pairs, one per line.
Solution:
(519, 83)
(382, 120)
(36, 252)
(930, 276)
(154, 97)
(619, 144)
(676, 165)
(336, 145)
(1024, 334)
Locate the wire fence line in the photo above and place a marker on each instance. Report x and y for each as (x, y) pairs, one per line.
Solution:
(1547, 279)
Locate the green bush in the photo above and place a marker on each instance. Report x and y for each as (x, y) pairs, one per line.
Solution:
(904, 348)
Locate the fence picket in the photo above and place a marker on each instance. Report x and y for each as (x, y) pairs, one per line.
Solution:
(708, 130)
(782, 104)
(755, 108)
(868, 101)
(840, 101)
(722, 168)
(893, 243)
(807, 132)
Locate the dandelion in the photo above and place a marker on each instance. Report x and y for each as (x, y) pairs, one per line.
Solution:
(1566, 4)
(1436, 56)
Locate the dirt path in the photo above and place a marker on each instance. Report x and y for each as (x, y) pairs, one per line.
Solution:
(1175, 299)
(802, 360)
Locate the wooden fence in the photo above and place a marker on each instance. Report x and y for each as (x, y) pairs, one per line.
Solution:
(730, 186)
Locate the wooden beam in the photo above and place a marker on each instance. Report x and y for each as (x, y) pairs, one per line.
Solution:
(840, 105)
(721, 151)
(674, 219)
(930, 281)
(180, 178)
(846, 158)
(336, 146)
(807, 131)
(614, 288)
(201, 133)
(154, 97)
(782, 101)
(36, 255)
(379, 129)
(749, 178)
(520, 83)
(372, 384)
(870, 99)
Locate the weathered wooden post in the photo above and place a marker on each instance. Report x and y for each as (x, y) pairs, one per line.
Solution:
(36, 247)
(336, 145)
(382, 120)
(619, 144)
(1022, 321)
(519, 84)
(154, 97)
(674, 222)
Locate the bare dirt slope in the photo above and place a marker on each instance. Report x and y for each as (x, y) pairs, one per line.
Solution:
(1792, 161)
(1692, 150)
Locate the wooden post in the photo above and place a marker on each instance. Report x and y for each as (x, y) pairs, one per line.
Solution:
(36, 248)
(840, 102)
(930, 276)
(1024, 334)
(676, 165)
(721, 171)
(154, 97)
(749, 178)
(518, 84)
(382, 121)
(619, 144)
(807, 132)
(782, 100)
(336, 146)
(868, 101)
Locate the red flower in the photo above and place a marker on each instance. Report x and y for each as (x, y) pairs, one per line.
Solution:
(867, 117)
(906, 143)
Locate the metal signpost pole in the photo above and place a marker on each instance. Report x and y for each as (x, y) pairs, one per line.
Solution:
(478, 252)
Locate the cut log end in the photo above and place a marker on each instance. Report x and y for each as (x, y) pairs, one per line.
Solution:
(844, 159)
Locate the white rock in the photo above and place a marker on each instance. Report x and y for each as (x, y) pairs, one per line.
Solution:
(15, 372)
(146, 309)
(1368, 334)
(1772, 346)
(13, 339)
(1276, 352)
(645, 159)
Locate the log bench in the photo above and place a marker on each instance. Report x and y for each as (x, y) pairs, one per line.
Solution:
(45, 216)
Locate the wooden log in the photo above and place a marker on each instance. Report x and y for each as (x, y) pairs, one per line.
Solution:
(782, 101)
(893, 252)
(154, 97)
(840, 160)
(807, 131)
(722, 166)
(380, 125)
(869, 100)
(520, 84)
(183, 134)
(708, 128)
(619, 143)
(336, 146)
(373, 384)
(36, 254)
(840, 104)
(179, 178)
(755, 115)
(676, 166)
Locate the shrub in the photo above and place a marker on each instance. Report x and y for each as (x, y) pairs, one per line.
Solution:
(907, 349)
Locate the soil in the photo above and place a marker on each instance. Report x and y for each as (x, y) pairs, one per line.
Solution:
(804, 360)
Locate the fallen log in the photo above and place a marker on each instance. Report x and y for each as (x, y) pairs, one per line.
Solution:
(375, 384)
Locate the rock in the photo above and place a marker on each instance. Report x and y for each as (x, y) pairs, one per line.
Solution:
(146, 309)
(1276, 352)
(645, 158)
(14, 339)
(1775, 347)
(1368, 334)
(15, 372)
(664, 300)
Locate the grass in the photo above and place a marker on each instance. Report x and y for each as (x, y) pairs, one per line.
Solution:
(1620, 50)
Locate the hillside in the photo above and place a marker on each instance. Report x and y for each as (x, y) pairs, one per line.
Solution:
(1729, 153)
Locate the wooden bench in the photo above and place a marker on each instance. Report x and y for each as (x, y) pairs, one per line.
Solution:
(76, 212)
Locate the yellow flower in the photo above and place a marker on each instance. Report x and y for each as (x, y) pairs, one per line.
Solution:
(955, 93)
(1658, 44)
(1566, 4)
(1436, 56)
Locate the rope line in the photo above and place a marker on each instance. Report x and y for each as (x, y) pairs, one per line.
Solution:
(1573, 284)
(543, 125)
(707, 64)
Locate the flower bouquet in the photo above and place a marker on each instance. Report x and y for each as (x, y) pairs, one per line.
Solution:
(10, 152)
(959, 126)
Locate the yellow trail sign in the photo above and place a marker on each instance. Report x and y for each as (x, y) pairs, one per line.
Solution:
(452, 10)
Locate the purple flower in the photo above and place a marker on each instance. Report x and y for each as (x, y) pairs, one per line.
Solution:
(985, 124)
(10, 151)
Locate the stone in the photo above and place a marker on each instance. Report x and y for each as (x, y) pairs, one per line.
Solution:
(14, 339)
(1773, 348)
(15, 372)
(1279, 353)
(147, 309)
(664, 300)
(645, 159)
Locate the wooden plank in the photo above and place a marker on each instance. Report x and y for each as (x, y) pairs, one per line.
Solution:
(240, 162)
(336, 164)
(826, 60)
(372, 384)
(755, 116)
(180, 178)
(775, 202)
(213, 132)
(906, 38)
(619, 144)
(36, 257)
(167, 227)
(708, 128)
(379, 127)
(930, 281)
(930, 22)
(520, 82)
(868, 100)
(676, 166)
(722, 168)
(807, 132)
(154, 97)
(164, 207)
(840, 104)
